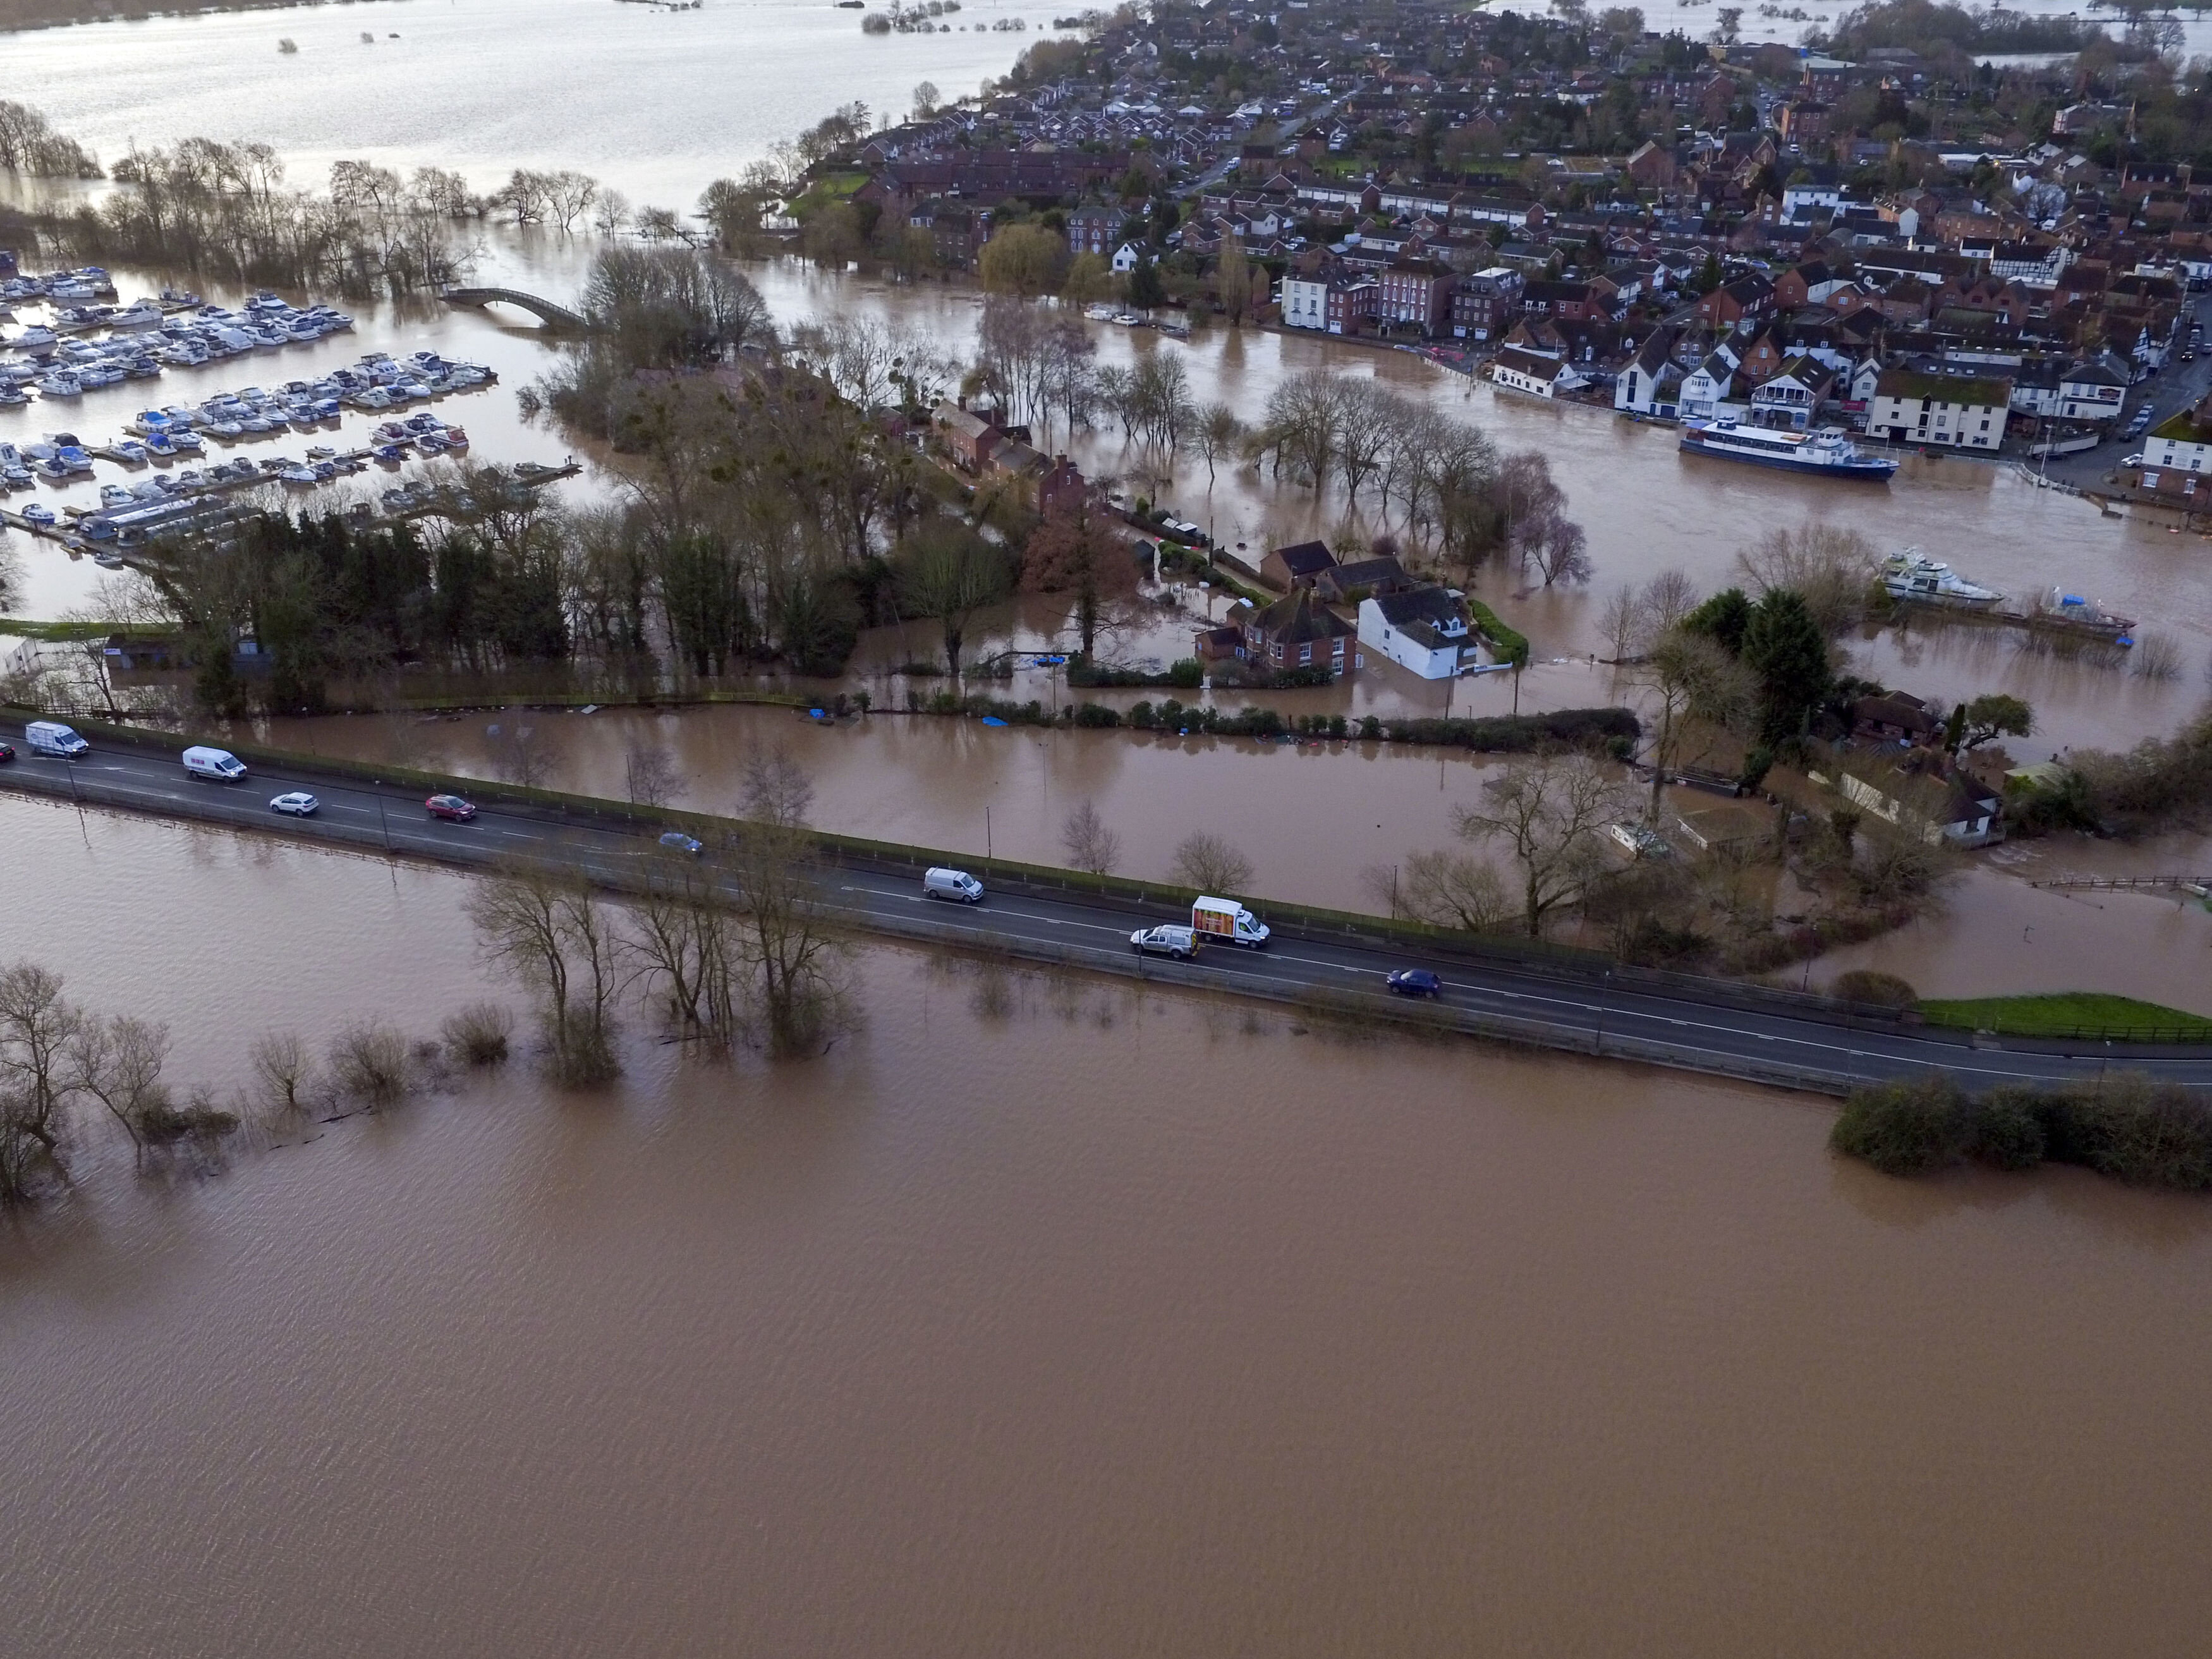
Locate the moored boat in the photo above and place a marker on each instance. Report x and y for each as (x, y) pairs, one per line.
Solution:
(1913, 575)
(1827, 452)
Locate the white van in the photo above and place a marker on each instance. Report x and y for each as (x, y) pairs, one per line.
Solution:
(53, 738)
(955, 884)
(219, 764)
(1226, 919)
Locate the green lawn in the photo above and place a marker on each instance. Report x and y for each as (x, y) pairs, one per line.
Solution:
(2064, 1013)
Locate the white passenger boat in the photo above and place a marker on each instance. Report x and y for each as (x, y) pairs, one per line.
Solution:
(1827, 452)
(1913, 575)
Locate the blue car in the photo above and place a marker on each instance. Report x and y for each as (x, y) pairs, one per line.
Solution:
(1415, 982)
(682, 843)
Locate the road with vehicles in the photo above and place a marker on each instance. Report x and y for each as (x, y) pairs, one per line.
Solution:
(1709, 1026)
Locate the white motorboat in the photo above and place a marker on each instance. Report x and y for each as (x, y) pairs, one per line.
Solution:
(1913, 575)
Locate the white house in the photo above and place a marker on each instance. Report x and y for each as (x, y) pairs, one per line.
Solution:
(1793, 395)
(2181, 442)
(1305, 303)
(1652, 382)
(1706, 387)
(1424, 631)
(2093, 389)
(1960, 413)
(1527, 371)
(1127, 258)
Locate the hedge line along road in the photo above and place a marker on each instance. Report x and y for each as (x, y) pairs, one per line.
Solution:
(1731, 1030)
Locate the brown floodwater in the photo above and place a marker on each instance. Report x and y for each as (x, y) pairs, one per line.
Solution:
(1044, 1317)
(1314, 818)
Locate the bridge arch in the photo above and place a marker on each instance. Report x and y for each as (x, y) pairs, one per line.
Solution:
(558, 319)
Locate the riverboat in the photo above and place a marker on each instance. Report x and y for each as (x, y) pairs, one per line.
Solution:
(1827, 452)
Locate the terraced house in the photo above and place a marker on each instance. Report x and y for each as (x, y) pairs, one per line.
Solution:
(1912, 406)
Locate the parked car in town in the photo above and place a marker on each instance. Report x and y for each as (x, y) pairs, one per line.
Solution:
(676, 840)
(452, 808)
(1165, 940)
(1415, 982)
(296, 803)
(957, 885)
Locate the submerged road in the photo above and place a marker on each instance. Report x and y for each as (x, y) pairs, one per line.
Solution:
(1723, 1028)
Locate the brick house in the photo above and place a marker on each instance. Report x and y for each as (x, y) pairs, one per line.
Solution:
(1749, 296)
(1416, 291)
(1299, 565)
(969, 437)
(1486, 304)
(1300, 632)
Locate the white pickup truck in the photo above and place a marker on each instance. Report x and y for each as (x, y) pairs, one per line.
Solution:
(1166, 940)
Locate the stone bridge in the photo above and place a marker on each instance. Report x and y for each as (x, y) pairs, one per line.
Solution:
(556, 319)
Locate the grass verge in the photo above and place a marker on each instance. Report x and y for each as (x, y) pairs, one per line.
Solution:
(2064, 1014)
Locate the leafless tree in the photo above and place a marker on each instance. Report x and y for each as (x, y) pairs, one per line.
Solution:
(37, 1026)
(1090, 844)
(477, 1034)
(1691, 676)
(1621, 623)
(1557, 551)
(773, 788)
(552, 936)
(683, 945)
(284, 1066)
(650, 775)
(794, 964)
(1211, 864)
(368, 1063)
(117, 1062)
(1444, 888)
(1667, 598)
(520, 754)
(1551, 810)
(1830, 567)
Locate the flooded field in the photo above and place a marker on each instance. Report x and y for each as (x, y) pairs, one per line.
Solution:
(1041, 1316)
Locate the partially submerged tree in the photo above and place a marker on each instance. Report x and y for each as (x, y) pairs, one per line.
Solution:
(1551, 812)
(1090, 846)
(549, 934)
(1212, 864)
(37, 1026)
(948, 572)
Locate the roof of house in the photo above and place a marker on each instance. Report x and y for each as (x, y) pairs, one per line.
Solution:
(1945, 388)
(1304, 558)
(1530, 363)
(1367, 572)
(1297, 618)
(1421, 605)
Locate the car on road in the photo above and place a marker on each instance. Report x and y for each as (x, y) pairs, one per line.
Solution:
(452, 808)
(1415, 982)
(6, 753)
(677, 840)
(957, 885)
(2135, 460)
(1167, 940)
(296, 803)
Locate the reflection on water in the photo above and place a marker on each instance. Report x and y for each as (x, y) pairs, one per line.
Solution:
(1049, 1317)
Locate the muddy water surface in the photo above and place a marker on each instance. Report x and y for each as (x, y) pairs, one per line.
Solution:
(1044, 1318)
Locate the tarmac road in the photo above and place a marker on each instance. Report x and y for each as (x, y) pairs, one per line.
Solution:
(1725, 1029)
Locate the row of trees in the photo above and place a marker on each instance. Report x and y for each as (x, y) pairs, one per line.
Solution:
(29, 146)
(223, 209)
(731, 947)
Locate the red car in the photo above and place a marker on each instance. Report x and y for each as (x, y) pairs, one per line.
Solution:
(452, 808)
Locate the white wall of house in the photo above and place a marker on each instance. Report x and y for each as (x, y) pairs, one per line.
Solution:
(1305, 303)
(1938, 420)
(1376, 633)
(2179, 453)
